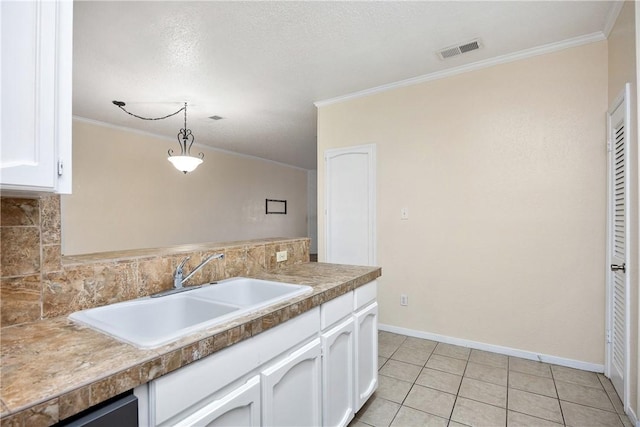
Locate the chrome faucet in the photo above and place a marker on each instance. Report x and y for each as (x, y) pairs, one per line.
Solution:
(178, 281)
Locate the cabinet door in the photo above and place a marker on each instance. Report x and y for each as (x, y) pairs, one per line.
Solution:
(36, 95)
(241, 407)
(291, 389)
(338, 374)
(366, 353)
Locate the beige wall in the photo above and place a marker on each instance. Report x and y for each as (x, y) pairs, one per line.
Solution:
(622, 69)
(127, 195)
(504, 173)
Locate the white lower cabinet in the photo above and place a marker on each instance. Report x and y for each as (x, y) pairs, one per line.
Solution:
(338, 374)
(217, 380)
(316, 369)
(366, 354)
(366, 342)
(240, 408)
(291, 389)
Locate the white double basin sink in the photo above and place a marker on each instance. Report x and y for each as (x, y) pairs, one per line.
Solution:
(151, 322)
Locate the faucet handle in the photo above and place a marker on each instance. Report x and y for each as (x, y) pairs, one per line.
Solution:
(184, 261)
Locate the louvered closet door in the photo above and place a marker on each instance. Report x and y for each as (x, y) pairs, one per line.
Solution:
(618, 223)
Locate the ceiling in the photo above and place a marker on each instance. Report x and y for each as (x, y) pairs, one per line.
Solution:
(262, 65)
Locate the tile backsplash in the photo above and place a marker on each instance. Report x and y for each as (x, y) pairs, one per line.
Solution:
(37, 282)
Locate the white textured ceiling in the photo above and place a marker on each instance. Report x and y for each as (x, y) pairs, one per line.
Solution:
(261, 65)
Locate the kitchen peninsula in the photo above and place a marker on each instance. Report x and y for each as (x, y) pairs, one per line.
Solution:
(53, 368)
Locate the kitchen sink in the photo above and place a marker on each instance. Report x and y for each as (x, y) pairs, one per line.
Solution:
(151, 322)
(246, 292)
(148, 323)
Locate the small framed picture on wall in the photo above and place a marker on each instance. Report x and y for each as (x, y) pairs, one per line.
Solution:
(273, 206)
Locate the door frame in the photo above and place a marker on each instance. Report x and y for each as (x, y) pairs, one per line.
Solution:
(623, 98)
(370, 151)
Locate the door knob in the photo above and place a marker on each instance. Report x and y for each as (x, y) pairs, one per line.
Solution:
(616, 267)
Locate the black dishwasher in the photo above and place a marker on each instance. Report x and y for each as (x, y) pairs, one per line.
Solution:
(121, 411)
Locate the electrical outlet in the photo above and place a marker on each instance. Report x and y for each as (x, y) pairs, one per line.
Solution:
(404, 299)
(281, 256)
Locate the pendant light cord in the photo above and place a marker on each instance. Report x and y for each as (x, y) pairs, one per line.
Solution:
(185, 115)
(121, 105)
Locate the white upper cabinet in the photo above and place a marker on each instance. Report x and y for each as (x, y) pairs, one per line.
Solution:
(36, 67)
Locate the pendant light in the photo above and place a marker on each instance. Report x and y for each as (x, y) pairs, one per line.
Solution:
(184, 162)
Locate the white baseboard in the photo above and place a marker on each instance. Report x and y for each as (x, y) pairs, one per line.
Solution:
(555, 360)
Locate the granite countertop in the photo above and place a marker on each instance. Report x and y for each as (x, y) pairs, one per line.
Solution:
(53, 369)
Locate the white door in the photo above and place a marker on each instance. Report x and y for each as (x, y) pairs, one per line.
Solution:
(338, 374)
(240, 407)
(366, 352)
(350, 191)
(291, 389)
(618, 259)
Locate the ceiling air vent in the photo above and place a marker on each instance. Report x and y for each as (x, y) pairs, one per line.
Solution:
(459, 49)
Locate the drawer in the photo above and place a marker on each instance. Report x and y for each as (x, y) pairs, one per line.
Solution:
(365, 295)
(335, 310)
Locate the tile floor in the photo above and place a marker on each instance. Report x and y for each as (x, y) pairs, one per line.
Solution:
(426, 383)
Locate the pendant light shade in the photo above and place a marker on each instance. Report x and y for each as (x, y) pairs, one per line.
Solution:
(185, 163)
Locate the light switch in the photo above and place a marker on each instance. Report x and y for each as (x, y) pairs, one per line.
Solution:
(404, 213)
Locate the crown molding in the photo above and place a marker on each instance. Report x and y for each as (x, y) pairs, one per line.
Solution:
(165, 138)
(612, 17)
(126, 129)
(502, 59)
